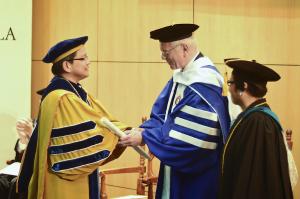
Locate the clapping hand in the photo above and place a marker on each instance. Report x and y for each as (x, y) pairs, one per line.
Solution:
(24, 129)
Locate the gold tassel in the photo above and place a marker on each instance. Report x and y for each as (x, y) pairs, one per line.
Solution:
(225, 86)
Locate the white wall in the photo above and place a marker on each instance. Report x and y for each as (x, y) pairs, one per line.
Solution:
(15, 70)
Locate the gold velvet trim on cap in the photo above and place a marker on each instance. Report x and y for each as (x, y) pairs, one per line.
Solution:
(69, 52)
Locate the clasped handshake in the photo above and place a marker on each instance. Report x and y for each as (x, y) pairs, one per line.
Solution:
(133, 137)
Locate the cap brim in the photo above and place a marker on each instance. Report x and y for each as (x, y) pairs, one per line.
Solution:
(253, 70)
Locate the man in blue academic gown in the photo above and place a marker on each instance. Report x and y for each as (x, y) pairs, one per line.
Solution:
(189, 120)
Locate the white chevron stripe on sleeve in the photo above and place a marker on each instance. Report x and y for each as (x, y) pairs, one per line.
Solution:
(191, 140)
(200, 113)
(197, 127)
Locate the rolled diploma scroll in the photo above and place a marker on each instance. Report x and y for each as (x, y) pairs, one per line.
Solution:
(105, 122)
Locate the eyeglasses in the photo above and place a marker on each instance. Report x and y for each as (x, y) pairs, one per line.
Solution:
(80, 59)
(165, 53)
(229, 82)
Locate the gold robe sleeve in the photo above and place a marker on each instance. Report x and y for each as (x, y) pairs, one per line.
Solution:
(78, 142)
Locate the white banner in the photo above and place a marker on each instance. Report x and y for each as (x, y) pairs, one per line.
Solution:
(15, 65)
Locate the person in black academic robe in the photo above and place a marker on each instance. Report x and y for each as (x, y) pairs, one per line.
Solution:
(254, 158)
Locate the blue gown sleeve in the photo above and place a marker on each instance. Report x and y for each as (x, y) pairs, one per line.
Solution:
(189, 140)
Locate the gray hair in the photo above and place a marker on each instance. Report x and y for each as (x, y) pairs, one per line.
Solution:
(190, 42)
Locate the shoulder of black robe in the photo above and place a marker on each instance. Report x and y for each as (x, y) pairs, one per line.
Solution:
(256, 165)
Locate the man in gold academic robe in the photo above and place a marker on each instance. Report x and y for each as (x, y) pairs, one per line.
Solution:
(68, 143)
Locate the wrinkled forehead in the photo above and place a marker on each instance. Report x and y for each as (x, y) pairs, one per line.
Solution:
(166, 45)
